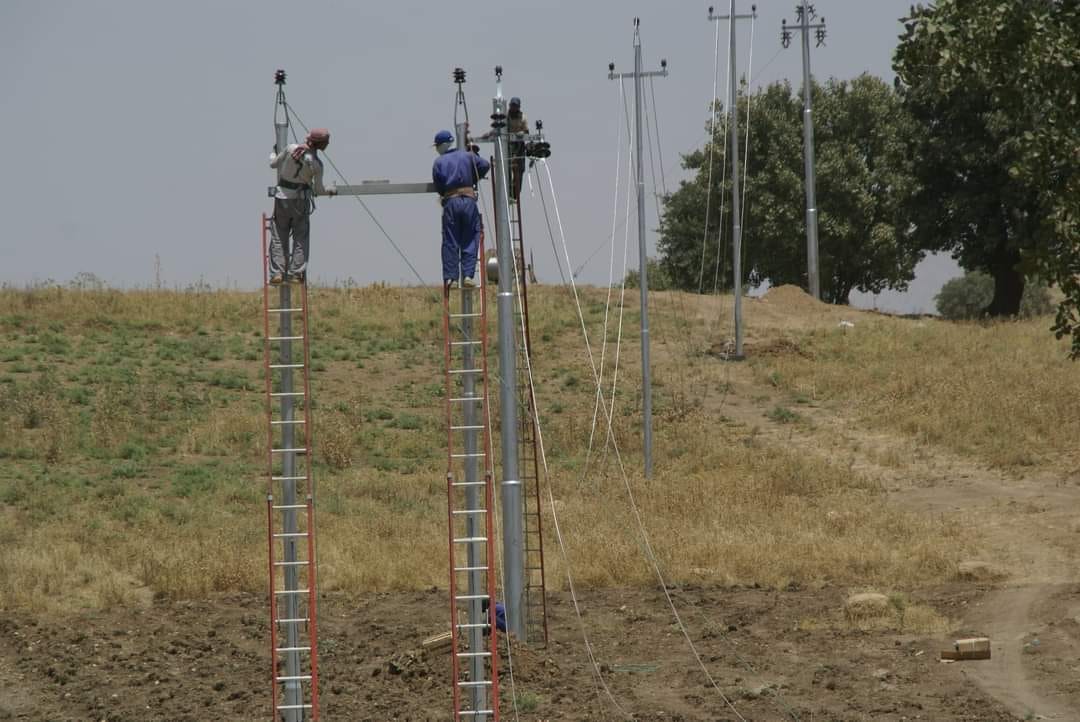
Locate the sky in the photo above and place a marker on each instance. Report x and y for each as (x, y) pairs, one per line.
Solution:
(138, 130)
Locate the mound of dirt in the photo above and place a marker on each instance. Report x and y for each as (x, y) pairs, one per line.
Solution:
(791, 298)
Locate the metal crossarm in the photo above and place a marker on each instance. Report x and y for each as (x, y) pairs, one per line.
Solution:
(536, 628)
(290, 512)
(470, 500)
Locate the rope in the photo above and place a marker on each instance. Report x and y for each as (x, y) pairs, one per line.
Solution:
(626, 481)
(656, 128)
(712, 146)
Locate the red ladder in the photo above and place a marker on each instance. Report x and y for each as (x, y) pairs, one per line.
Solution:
(470, 505)
(290, 511)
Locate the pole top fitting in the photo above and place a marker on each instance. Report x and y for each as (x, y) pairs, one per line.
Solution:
(459, 75)
(611, 67)
(637, 22)
(753, 9)
(498, 72)
(663, 63)
(279, 77)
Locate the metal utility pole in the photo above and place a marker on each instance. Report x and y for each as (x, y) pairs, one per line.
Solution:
(646, 371)
(736, 207)
(513, 532)
(806, 14)
(294, 702)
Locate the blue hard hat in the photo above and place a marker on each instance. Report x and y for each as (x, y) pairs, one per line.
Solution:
(444, 136)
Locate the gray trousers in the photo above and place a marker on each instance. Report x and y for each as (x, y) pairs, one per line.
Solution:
(291, 218)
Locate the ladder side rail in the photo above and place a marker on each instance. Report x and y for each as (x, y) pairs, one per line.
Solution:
(489, 493)
(270, 468)
(313, 638)
(454, 650)
(273, 605)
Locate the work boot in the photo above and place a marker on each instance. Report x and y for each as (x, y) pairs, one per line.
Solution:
(296, 277)
(276, 279)
(448, 284)
(468, 283)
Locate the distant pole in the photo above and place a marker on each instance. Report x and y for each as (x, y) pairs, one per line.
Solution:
(646, 372)
(736, 207)
(513, 511)
(807, 13)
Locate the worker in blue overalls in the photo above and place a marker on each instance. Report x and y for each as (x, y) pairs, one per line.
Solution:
(456, 173)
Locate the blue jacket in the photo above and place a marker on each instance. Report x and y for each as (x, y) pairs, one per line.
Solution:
(458, 169)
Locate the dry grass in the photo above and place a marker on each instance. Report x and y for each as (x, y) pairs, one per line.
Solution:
(136, 461)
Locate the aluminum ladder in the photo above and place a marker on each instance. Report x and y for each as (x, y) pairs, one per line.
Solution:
(290, 511)
(536, 627)
(470, 505)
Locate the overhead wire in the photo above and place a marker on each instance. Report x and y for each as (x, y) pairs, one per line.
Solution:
(712, 145)
(650, 553)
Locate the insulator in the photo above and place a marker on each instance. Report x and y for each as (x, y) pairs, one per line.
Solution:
(459, 75)
(498, 71)
(539, 126)
(498, 120)
(279, 77)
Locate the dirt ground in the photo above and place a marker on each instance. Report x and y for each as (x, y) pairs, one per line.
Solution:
(207, 661)
(775, 655)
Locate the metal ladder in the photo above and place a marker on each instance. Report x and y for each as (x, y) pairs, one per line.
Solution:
(290, 512)
(470, 502)
(536, 627)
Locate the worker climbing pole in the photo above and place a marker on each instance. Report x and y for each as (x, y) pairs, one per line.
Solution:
(290, 511)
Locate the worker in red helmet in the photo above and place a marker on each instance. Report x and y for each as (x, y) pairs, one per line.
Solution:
(299, 180)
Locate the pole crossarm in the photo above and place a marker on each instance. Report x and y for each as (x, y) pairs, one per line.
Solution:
(384, 188)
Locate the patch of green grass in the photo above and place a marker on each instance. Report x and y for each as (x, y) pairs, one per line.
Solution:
(783, 415)
(192, 480)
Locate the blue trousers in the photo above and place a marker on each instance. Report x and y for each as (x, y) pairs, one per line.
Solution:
(461, 226)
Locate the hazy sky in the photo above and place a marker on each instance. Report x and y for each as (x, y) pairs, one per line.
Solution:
(138, 129)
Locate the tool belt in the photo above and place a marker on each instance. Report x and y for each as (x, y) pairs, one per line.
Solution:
(293, 186)
(463, 192)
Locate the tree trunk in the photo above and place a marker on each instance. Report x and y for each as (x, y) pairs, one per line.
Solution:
(1008, 284)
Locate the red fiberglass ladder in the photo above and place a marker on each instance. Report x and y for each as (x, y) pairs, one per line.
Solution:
(290, 512)
(470, 495)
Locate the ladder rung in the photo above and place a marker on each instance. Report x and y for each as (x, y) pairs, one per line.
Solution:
(467, 398)
(466, 371)
(287, 393)
(470, 539)
(286, 366)
(299, 620)
(469, 511)
(291, 564)
(472, 427)
(294, 649)
(289, 506)
(472, 626)
(293, 421)
(467, 456)
(482, 683)
(291, 534)
(294, 591)
(282, 451)
(284, 310)
(470, 569)
(467, 597)
(301, 706)
(285, 338)
(474, 712)
(465, 343)
(294, 678)
(287, 478)
(474, 654)
(465, 315)
(468, 483)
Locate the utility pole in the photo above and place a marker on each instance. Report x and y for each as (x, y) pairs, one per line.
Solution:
(736, 208)
(513, 533)
(646, 372)
(806, 14)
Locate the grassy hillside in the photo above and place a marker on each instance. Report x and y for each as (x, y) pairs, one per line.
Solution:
(134, 441)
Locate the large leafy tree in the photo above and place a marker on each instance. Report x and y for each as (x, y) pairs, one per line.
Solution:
(863, 169)
(993, 87)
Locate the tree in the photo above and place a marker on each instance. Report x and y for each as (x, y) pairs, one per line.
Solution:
(994, 88)
(863, 170)
(966, 297)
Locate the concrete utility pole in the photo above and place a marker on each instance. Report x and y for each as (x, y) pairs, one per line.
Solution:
(736, 207)
(806, 14)
(646, 371)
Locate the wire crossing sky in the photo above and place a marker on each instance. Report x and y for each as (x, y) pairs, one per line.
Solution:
(141, 129)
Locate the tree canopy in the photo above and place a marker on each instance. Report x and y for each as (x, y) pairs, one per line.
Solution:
(863, 170)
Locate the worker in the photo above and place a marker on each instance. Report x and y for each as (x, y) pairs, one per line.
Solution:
(516, 123)
(299, 179)
(455, 173)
